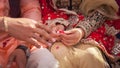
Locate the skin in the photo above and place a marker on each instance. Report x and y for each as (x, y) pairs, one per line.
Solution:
(28, 28)
(19, 56)
(68, 37)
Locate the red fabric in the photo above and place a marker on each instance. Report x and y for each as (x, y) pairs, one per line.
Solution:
(99, 35)
(107, 40)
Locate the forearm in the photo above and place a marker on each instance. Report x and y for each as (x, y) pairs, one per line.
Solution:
(8, 24)
(31, 9)
(91, 22)
(110, 6)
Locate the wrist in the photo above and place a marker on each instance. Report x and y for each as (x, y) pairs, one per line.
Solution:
(25, 49)
(81, 33)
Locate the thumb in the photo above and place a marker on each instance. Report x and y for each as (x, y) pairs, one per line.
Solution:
(10, 60)
(70, 31)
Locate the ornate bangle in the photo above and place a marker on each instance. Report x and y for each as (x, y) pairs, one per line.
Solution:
(86, 27)
(116, 48)
(91, 22)
(5, 24)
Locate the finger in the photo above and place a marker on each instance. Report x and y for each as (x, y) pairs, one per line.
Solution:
(10, 60)
(33, 42)
(60, 27)
(75, 30)
(45, 35)
(42, 26)
(47, 29)
(67, 37)
(69, 32)
(52, 25)
(42, 32)
(71, 40)
(55, 35)
(74, 33)
(41, 40)
(66, 43)
(68, 40)
(54, 30)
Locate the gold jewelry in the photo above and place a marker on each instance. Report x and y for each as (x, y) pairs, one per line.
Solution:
(91, 23)
(86, 27)
(5, 24)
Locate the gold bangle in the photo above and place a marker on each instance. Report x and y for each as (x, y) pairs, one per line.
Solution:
(5, 24)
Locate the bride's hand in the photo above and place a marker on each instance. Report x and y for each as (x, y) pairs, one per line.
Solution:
(71, 37)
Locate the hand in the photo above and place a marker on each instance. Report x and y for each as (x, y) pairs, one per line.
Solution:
(71, 37)
(19, 57)
(56, 25)
(55, 28)
(29, 30)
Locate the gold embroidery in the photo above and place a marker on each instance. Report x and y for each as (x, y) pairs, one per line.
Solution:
(111, 30)
(66, 4)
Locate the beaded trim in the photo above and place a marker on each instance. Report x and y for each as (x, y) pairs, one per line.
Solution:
(5, 24)
(91, 22)
(73, 20)
(116, 49)
(111, 30)
(73, 5)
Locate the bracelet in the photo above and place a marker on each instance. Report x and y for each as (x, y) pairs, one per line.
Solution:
(5, 24)
(25, 49)
(86, 27)
(91, 22)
